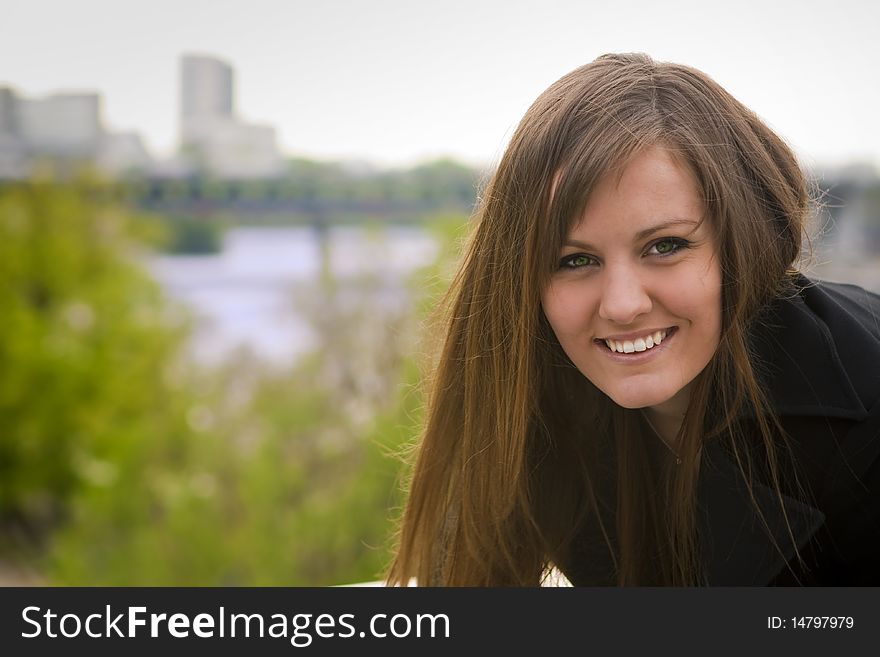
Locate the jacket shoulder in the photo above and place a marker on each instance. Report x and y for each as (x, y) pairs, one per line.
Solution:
(849, 318)
(816, 349)
(844, 307)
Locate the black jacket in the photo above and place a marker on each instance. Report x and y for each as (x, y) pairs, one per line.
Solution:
(820, 356)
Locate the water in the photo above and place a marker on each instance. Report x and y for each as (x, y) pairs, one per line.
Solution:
(246, 295)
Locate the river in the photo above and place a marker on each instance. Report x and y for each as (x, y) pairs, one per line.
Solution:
(246, 295)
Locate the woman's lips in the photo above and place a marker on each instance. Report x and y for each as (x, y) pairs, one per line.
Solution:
(638, 356)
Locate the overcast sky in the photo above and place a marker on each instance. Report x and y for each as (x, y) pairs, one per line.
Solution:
(396, 81)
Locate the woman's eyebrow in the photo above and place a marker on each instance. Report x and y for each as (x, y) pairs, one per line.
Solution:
(642, 234)
(666, 225)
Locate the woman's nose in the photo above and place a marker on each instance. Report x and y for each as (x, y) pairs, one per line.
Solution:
(624, 296)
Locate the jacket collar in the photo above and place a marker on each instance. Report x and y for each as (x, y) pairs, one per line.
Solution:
(797, 357)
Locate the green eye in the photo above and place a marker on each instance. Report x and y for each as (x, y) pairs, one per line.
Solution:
(669, 246)
(666, 246)
(576, 261)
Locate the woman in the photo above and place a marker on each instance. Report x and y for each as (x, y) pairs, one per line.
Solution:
(636, 386)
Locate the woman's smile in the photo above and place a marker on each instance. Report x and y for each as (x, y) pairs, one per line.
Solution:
(643, 348)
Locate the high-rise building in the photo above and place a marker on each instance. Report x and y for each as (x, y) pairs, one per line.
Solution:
(66, 129)
(212, 138)
(61, 124)
(206, 94)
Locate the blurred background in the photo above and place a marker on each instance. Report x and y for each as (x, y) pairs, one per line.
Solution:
(222, 226)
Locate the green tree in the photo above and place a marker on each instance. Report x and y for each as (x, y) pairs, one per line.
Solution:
(86, 346)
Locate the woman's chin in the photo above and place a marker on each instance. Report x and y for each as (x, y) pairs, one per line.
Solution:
(635, 400)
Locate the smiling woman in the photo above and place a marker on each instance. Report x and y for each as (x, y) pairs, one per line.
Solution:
(632, 280)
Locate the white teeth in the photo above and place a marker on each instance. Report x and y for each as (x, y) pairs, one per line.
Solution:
(639, 344)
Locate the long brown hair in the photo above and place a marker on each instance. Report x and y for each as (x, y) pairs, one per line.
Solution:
(512, 458)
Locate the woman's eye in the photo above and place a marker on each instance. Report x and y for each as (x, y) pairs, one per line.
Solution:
(668, 245)
(575, 261)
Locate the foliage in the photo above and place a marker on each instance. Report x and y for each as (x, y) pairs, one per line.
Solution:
(135, 468)
(193, 235)
(85, 346)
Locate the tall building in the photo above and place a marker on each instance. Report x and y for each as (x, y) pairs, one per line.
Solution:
(206, 94)
(63, 128)
(61, 124)
(213, 139)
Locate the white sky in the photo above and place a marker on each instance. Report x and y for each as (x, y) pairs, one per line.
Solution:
(395, 81)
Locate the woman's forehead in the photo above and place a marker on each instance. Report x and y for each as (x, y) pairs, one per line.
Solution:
(578, 178)
(652, 187)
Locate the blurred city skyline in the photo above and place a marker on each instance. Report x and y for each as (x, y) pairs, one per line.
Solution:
(393, 82)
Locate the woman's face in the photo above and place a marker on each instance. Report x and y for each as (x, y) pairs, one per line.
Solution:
(635, 300)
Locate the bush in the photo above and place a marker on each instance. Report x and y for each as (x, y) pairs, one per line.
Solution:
(132, 467)
(85, 348)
